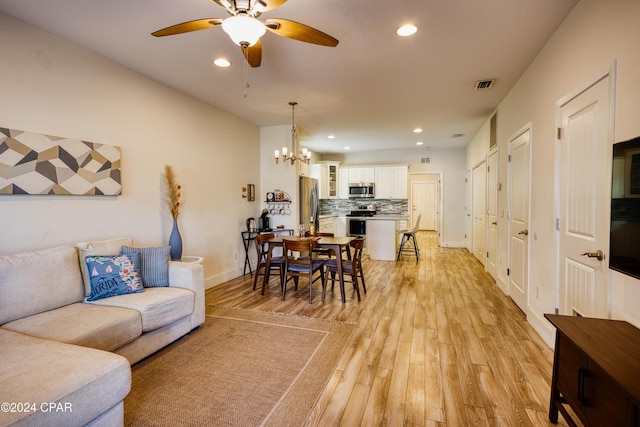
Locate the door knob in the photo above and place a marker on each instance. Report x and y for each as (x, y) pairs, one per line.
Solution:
(599, 255)
(524, 232)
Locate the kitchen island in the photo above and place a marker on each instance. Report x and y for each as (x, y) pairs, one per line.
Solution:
(382, 231)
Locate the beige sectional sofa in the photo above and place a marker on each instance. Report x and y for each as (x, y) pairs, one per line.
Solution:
(66, 362)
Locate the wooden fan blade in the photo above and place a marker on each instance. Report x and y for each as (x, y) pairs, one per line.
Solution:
(265, 5)
(185, 27)
(295, 30)
(253, 54)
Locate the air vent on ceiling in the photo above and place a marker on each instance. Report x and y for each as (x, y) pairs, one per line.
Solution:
(425, 159)
(484, 84)
(457, 135)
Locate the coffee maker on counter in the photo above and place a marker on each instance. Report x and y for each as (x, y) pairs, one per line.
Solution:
(263, 224)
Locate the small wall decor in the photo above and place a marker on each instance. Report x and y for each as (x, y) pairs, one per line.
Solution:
(249, 193)
(32, 163)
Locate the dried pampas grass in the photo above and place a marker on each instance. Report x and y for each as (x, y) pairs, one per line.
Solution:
(174, 193)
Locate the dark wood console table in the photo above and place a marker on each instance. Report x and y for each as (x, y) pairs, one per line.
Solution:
(596, 371)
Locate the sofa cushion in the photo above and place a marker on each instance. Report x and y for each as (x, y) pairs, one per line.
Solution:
(157, 306)
(33, 282)
(155, 264)
(88, 325)
(113, 275)
(85, 381)
(99, 247)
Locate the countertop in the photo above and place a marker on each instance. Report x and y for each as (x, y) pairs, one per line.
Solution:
(387, 217)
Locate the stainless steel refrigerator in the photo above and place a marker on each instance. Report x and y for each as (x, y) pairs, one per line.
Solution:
(309, 202)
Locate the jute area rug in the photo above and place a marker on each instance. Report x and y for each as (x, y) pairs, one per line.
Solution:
(241, 368)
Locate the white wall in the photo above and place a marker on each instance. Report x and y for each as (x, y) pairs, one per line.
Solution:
(50, 86)
(281, 176)
(478, 147)
(451, 162)
(593, 35)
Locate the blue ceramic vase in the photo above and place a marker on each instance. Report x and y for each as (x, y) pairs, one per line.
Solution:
(175, 242)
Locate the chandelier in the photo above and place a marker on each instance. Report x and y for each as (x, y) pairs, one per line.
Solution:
(294, 155)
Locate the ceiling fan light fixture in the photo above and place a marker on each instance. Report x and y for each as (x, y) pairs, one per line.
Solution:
(244, 30)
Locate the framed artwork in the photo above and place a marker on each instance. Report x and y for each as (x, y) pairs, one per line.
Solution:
(33, 163)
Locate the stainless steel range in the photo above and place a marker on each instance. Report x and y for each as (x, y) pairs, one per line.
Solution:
(357, 222)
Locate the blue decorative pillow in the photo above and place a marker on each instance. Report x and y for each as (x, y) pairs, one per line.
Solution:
(113, 275)
(154, 265)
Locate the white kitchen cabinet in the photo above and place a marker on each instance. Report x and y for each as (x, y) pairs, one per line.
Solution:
(341, 226)
(362, 174)
(327, 225)
(327, 175)
(391, 182)
(343, 183)
(303, 169)
(319, 172)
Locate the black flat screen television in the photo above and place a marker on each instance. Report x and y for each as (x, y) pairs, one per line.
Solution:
(624, 246)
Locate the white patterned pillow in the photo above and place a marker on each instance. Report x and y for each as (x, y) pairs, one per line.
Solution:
(154, 265)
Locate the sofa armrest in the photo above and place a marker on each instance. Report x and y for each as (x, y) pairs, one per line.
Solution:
(189, 275)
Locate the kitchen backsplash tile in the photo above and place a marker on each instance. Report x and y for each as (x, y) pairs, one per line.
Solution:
(344, 206)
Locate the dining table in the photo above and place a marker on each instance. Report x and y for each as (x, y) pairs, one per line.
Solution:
(336, 244)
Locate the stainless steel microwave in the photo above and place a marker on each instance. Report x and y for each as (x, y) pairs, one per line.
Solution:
(358, 190)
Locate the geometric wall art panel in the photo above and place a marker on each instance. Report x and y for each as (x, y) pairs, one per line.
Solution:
(33, 163)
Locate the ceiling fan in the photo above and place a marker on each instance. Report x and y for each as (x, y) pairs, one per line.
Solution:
(245, 29)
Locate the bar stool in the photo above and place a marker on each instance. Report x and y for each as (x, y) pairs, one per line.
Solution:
(408, 243)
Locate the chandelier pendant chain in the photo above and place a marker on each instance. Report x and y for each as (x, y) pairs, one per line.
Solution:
(294, 131)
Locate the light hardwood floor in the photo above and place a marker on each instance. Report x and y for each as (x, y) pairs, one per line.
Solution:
(436, 344)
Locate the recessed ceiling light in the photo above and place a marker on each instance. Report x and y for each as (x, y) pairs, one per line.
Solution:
(407, 30)
(417, 130)
(221, 62)
(419, 143)
(347, 148)
(331, 137)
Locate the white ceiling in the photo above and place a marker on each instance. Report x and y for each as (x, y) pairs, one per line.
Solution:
(370, 91)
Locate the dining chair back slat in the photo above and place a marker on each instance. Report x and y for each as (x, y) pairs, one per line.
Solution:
(350, 267)
(276, 263)
(304, 265)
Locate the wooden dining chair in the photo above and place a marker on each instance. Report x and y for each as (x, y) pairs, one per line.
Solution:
(350, 267)
(276, 264)
(304, 265)
(320, 251)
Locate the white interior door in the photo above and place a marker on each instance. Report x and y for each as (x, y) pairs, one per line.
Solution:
(583, 200)
(479, 200)
(424, 197)
(492, 214)
(519, 178)
(468, 223)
